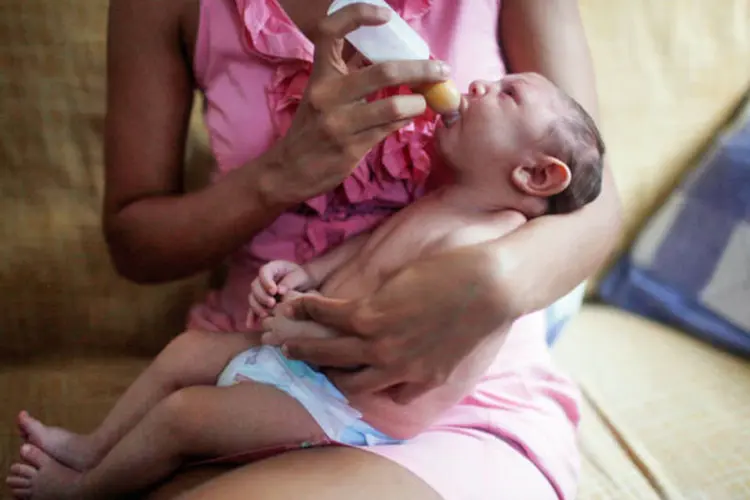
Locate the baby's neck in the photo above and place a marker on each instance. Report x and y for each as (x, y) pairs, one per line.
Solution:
(472, 198)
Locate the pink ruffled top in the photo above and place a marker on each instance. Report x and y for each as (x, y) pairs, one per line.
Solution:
(253, 78)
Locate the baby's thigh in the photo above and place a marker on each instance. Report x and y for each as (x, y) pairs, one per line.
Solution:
(218, 422)
(199, 356)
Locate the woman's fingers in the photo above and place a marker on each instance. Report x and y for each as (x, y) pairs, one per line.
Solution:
(367, 381)
(332, 30)
(362, 116)
(280, 329)
(366, 81)
(339, 352)
(333, 313)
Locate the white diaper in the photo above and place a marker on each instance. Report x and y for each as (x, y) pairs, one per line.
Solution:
(325, 403)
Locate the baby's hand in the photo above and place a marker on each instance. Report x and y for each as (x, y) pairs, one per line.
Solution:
(275, 279)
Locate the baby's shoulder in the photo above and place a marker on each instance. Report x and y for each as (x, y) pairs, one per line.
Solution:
(480, 228)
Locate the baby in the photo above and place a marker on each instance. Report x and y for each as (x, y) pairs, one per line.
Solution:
(521, 148)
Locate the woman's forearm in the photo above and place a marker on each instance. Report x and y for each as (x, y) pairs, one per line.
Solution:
(167, 237)
(549, 256)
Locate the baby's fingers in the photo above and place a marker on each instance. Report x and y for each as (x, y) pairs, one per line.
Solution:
(261, 294)
(257, 308)
(296, 280)
(267, 278)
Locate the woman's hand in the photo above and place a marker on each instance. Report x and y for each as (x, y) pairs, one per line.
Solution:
(410, 335)
(334, 127)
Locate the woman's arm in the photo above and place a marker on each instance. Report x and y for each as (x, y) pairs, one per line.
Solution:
(547, 37)
(156, 232)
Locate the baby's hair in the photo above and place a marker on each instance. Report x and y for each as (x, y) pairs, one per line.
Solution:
(581, 147)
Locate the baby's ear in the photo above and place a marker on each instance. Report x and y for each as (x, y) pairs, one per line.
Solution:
(547, 177)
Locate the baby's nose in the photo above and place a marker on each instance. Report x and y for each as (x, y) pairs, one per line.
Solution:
(478, 88)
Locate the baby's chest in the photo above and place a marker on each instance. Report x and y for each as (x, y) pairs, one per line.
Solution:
(422, 233)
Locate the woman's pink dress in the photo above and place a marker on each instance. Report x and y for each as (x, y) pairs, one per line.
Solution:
(514, 437)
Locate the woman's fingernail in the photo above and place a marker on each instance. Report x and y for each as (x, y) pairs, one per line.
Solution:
(285, 351)
(383, 13)
(443, 69)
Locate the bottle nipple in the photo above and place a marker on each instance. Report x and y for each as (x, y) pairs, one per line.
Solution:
(443, 98)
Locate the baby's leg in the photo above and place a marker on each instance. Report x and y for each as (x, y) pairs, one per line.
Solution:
(193, 423)
(193, 358)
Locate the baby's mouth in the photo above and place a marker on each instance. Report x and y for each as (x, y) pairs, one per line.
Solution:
(450, 119)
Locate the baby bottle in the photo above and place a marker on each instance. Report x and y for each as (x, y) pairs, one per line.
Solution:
(397, 41)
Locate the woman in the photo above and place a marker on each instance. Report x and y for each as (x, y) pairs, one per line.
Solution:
(288, 135)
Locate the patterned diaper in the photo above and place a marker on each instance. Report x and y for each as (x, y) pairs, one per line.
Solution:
(325, 403)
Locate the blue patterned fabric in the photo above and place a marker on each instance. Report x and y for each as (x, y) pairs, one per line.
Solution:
(690, 267)
(562, 311)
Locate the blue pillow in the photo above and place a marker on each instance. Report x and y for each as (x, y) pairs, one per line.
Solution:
(690, 267)
(561, 312)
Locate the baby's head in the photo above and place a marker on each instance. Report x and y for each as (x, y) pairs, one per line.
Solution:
(527, 141)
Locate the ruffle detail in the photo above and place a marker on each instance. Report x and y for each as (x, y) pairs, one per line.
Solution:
(393, 174)
(270, 33)
(411, 10)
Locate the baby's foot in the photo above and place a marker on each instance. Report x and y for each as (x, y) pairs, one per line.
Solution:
(40, 477)
(68, 448)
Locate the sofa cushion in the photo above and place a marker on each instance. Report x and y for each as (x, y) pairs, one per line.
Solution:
(691, 264)
(676, 406)
(669, 75)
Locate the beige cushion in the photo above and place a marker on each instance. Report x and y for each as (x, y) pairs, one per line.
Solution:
(679, 407)
(669, 73)
(58, 288)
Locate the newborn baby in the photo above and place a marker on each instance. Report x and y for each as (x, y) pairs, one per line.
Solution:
(520, 149)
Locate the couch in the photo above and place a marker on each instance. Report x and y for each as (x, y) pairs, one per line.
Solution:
(664, 415)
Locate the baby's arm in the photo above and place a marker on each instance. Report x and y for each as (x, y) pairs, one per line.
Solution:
(278, 278)
(324, 265)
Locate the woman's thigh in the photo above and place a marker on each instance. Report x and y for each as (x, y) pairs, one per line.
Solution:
(346, 473)
(333, 473)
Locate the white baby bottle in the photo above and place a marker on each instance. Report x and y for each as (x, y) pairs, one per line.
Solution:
(397, 41)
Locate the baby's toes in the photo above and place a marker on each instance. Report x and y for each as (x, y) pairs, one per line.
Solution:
(22, 470)
(33, 456)
(18, 482)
